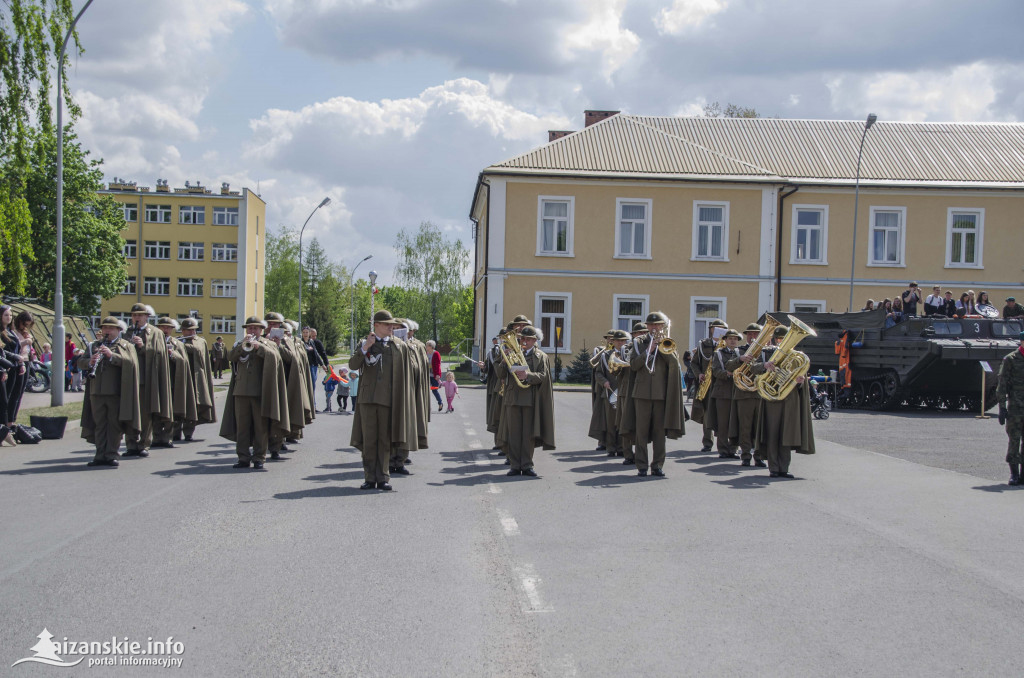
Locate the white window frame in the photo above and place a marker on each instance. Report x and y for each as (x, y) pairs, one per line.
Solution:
(162, 246)
(819, 305)
(130, 249)
(191, 251)
(130, 285)
(193, 287)
(161, 212)
(979, 239)
(723, 304)
(225, 216)
(193, 210)
(648, 204)
(541, 199)
(548, 344)
(223, 288)
(644, 299)
(224, 251)
(160, 283)
(901, 247)
(694, 254)
(222, 324)
(823, 261)
(131, 212)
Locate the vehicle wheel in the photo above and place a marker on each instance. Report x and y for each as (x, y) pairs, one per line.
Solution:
(37, 383)
(876, 397)
(858, 395)
(821, 413)
(933, 402)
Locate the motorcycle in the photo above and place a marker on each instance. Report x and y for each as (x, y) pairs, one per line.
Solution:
(38, 377)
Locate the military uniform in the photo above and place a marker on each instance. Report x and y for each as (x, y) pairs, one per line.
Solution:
(744, 409)
(701, 358)
(111, 405)
(719, 411)
(527, 420)
(183, 390)
(154, 384)
(201, 363)
(1011, 408)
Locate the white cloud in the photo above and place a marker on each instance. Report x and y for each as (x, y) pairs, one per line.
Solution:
(602, 32)
(686, 15)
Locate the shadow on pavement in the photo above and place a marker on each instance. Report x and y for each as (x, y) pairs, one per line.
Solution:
(489, 475)
(609, 481)
(336, 477)
(580, 455)
(748, 482)
(1000, 487)
(61, 468)
(183, 468)
(326, 492)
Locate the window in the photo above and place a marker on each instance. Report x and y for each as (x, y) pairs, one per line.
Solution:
(222, 324)
(157, 286)
(190, 287)
(224, 288)
(131, 212)
(191, 215)
(554, 225)
(158, 249)
(131, 249)
(224, 252)
(711, 230)
(633, 228)
(554, 311)
(225, 216)
(629, 310)
(158, 214)
(190, 251)
(887, 243)
(129, 285)
(964, 231)
(702, 311)
(810, 235)
(806, 305)
(126, 318)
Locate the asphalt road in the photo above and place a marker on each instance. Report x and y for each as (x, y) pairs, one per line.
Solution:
(867, 564)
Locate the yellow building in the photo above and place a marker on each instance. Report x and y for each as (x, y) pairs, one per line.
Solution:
(705, 217)
(191, 251)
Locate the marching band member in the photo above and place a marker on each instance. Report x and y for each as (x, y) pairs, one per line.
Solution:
(625, 392)
(200, 361)
(183, 389)
(291, 333)
(528, 415)
(655, 410)
(597, 414)
(495, 365)
(745, 403)
(154, 380)
(783, 426)
(257, 400)
(419, 409)
(111, 407)
(514, 326)
(420, 370)
(602, 422)
(384, 418)
(702, 355)
(296, 388)
(719, 406)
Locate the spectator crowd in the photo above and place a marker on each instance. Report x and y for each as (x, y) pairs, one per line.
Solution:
(941, 304)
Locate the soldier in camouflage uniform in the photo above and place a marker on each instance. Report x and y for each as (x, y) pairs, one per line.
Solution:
(1011, 407)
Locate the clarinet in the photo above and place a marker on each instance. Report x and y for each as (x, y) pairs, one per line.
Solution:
(95, 366)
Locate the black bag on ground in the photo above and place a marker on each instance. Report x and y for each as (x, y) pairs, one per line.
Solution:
(26, 435)
(51, 428)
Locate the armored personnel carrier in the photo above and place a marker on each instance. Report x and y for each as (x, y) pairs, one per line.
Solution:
(919, 362)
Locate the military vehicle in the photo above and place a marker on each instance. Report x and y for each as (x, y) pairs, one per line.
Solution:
(920, 362)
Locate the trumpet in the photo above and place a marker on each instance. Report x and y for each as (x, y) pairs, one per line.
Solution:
(665, 343)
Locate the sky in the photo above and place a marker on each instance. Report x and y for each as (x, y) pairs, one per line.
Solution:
(392, 107)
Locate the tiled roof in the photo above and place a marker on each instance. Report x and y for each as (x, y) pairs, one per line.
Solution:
(773, 149)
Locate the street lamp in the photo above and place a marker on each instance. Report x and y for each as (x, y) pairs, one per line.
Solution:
(352, 334)
(323, 203)
(59, 359)
(856, 198)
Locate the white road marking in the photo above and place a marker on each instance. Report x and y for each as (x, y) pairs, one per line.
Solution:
(475, 444)
(508, 523)
(470, 431)
(530, 583)
(481, 460)
(493, 489)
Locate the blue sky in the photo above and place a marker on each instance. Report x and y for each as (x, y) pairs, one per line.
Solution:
(392, 107)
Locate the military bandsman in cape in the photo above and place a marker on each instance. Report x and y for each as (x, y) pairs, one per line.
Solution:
(745, 404)
(111, 407)
(155, 398)
(623, 404)
(718, 409)
(384, 419)
(201, 362)
(419, 368)
(291, 333)
(528, 413)
(1010, 394)
(294, 387)
(495, 366)
(596, 409)
(603, 424)
(701, 358)
(183, 390)
(782, 426)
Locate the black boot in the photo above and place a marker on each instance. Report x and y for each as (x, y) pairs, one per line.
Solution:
(1014, 474)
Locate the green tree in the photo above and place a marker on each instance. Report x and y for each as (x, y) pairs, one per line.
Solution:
(93, 259)
(714, 110)
(325, 304)
(281, 276)
(432, 265)
(579, 369)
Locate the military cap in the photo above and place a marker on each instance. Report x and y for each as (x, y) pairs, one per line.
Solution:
(531, 332)
(255, 320)
(385, 317)
(753, 327)
(732, 333)
(779, 332)
(165, 322)
(608, 334)
(717, 322)
(656, 317)
(502, 332)
(1011, 298)
(521, 319)
(140, 308)
(619, 334)
(639, 327)
(189, 324)
(272, 317)
(110, 321)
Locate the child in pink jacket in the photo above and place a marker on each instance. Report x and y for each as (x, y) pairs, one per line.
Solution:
(451, 389)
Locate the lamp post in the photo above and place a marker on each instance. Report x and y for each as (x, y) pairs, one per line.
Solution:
(856, 199)
(57, 386)
(352, 334)
(323, 203)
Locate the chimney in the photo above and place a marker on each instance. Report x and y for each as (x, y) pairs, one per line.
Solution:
(554, 134)
(590, 117)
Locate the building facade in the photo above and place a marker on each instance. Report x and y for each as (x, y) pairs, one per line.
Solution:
(192, 252)
(708, 218)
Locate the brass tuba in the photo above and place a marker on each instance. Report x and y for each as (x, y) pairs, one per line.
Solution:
(741, 375)
(512, 354)
(789, 363)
